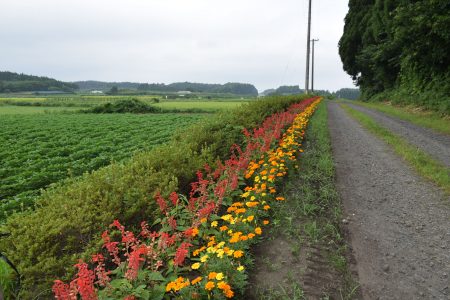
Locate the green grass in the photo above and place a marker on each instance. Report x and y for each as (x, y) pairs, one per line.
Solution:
(37, 150)
(414, 115)
(424, 164)
(25, 110)
(8, 281)
(311, 214)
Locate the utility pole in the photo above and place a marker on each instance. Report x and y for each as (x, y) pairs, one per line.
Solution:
(308, 49)
(312, 65)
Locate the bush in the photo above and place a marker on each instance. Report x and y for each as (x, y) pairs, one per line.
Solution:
(124, 106)
(68, 219)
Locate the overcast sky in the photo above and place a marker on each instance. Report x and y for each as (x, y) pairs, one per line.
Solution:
(254, 41)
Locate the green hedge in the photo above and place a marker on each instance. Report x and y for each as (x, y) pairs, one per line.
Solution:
(69, 219)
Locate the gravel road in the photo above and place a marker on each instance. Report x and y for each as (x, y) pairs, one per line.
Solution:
(435, 144)
(399, 225)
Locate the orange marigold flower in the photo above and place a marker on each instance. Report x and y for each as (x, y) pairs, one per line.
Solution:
(231, 209)
(250, 218)
(265, 222)
(223, 228)
(194, 231)
(203, 220)
(244, 238)
(196, 280)
(212, 275)
(209, 285)
(229, 293)
(266, 207)
(251, 204)
(251, 235)
(238, 253)
(280, 198)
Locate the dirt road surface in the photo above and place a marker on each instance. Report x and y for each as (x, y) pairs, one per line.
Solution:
(399, 224)
(435, 144)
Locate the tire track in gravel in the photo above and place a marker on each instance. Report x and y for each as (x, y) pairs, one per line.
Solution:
(399, 225)
(435, 144)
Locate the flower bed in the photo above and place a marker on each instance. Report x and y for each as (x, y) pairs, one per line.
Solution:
(197, 249)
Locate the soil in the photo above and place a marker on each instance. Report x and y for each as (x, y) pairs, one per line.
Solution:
(398, 224)
(435, 144)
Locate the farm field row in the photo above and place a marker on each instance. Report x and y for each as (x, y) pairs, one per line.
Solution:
(37, 150)
(79, 102)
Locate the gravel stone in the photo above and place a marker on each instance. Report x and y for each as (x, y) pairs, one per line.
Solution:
(366, 171)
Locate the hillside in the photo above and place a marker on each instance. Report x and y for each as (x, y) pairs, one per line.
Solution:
(14, 82)
(243, 89)
(399, 50)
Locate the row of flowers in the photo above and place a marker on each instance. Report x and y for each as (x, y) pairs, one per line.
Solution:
(198, 248)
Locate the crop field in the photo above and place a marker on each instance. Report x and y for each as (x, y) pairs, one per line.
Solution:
(80, 102)
(37, 150)
(14, 110)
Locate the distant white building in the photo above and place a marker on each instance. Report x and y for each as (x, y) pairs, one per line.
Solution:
(96, 92)
(183, 93)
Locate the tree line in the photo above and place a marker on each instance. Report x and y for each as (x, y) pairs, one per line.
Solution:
(13, 82)
(400, 46)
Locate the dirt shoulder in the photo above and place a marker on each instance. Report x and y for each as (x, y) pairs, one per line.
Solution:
(399, 225)
(435, 144)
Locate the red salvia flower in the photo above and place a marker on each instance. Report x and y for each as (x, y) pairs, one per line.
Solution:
(134, 262)
(174, 198)
(181, 254)
(85, 282)
(161, 202)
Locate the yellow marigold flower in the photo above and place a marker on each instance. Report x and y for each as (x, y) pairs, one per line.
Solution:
(245, 195)
(211, 250)
(258, 230)
(219, 276)
(220, 245)
(240, 268)
(214, 224)
(226, 217)
(238, 253)
(252, 198)
(204, 258)
(250, 218)
(220, 253)
(256, 179)
(196, 252)
(209, 285)
(195, 266)
(223, 228)
(197, 280)
(265, 222)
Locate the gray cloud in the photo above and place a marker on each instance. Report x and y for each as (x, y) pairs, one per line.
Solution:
(256, 41)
